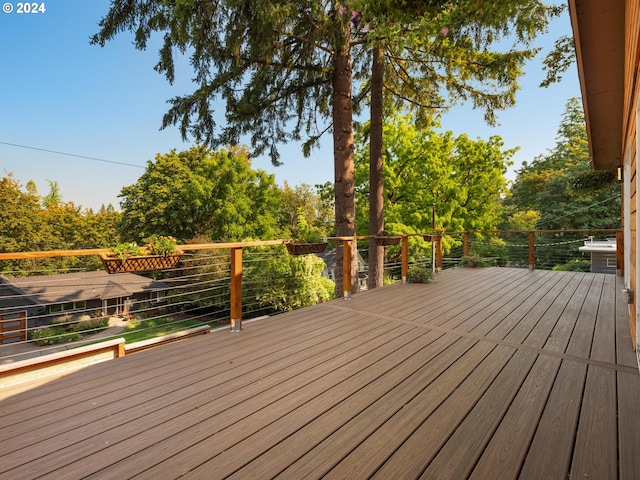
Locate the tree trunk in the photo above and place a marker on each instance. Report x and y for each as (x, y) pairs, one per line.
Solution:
(343, 152)
(376, 189)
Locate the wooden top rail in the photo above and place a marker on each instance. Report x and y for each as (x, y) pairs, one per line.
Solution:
(261, 243)
(15, 373)
(101, 251)
(113, 345)
(184, 248)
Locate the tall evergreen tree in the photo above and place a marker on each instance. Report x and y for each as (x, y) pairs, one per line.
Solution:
(433, 54)
(54, 197)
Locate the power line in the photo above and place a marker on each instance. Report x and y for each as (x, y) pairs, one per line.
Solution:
(72, 155)
(577, 211)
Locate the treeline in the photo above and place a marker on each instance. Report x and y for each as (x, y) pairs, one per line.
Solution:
(30, 222)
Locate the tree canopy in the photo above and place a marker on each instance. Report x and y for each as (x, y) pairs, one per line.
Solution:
(29, 223)
(271, 63)
(560, 190)
(201, 192)
(463, 178)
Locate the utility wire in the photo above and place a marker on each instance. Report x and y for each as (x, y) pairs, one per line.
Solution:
(577, 211)
(72, 155)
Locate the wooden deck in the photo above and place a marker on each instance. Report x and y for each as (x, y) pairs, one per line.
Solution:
(487, 373)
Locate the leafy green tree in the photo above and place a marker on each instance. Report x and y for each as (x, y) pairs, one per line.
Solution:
(463, 178)
(289, 282)
(303, 199)
(26, 226)
(22, 228)
(201, 192)
(562, 187)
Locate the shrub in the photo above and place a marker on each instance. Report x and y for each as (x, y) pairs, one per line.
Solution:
(473, 261)
(575, 265)
(420, 274)
(93, 325)
(54, 335)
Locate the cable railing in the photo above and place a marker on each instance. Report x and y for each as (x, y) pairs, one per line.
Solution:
(220, 285)
(577, 250)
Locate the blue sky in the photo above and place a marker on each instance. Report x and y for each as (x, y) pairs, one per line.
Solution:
(61, 94)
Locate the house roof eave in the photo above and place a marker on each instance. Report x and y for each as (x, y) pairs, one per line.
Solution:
(598, 30)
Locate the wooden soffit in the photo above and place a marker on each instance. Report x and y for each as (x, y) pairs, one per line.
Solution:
(598, 30)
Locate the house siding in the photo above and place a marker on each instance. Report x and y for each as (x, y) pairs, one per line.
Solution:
(630, 145)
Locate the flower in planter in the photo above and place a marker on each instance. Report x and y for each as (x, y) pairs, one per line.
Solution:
(126, 249)
(161, 245)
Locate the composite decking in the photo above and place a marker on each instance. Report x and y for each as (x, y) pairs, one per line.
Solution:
(485, 373)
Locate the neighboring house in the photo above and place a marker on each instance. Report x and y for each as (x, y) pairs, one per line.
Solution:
(607, 37)
(15, 308)
(329, 271)
(36, 301)
(603, 255)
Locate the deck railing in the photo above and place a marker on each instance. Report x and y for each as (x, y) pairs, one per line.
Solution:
(220, 283)
(543, 249)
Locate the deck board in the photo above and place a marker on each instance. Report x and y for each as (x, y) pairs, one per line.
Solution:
(483, 373)
(552, 444)
(595, 449)
(505, 454)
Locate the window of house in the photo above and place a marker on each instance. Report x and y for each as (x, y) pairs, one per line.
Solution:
(55, 308)
(66, 307)
(158, 296)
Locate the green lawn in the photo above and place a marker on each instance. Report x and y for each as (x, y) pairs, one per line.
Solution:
(138, 330)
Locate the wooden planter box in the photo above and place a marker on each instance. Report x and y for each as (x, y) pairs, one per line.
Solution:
(384, 241)
(305, 248)
(140, 264)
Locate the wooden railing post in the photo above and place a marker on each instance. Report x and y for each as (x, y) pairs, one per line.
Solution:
(405, 258)
(465, 244)
(439, 253)
(619, 253)
(532, 250)
(236, 289)
(346, 269)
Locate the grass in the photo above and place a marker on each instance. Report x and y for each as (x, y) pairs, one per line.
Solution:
(138, 330)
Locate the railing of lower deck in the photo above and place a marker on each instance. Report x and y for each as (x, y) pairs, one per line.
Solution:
(220, 284)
